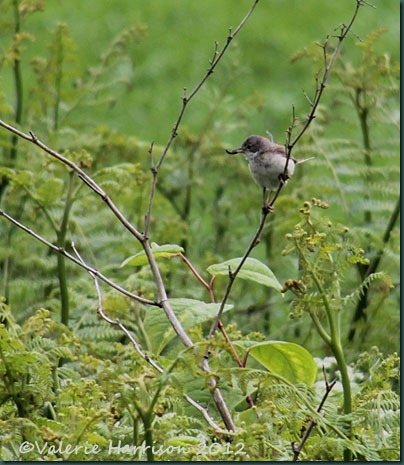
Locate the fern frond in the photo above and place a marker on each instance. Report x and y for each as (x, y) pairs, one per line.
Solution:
(359, 292)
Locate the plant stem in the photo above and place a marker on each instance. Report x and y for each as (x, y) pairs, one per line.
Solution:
(334, 342)
(148, 436)
(14, 138)
(233, 274)
(297, 449)
(17, 82)
(61, 259)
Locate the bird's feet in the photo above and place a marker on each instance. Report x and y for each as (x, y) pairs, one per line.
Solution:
(267, 207)
(283, 179)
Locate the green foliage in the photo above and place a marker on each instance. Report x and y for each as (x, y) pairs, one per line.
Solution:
(159, 251)
(327, 253)
(189, 311)
(288, 360)
(81, 390)
(252, 270)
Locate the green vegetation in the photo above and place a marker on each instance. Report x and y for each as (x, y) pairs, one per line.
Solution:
(128, 330)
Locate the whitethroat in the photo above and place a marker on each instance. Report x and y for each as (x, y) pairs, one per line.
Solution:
(267, 162)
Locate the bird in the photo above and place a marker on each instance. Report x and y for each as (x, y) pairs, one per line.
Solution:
(267, 162)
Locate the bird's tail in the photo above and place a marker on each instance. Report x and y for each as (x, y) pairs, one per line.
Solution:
(303, 160)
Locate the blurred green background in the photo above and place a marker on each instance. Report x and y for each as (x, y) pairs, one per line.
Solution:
(179, 41)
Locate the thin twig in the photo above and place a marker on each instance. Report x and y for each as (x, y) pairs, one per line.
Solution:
(221, 326)
(139, 350)
(217, 57)
(197, 275)
(290, 144)
(327, 70)
(320, 86)
(116, 322)
(213, 300)
(298, 448)
(31, 137)
(213, 63)
(72, 258)
(152, 192)
(233, 274)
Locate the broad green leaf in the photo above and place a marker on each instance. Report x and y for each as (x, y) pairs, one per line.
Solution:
(248, 415)
(253, 270)
(286, 359)
(190, 312)
(159, 251)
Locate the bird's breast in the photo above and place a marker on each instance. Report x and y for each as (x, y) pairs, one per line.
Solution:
(266, 170)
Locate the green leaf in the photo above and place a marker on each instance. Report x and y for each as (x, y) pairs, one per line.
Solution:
(190, 312)
(159, 251)
(286, 359)
(252, 270)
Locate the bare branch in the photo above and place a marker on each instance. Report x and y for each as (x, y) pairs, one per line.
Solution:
(217, 56)
(140, 351)
(298, 448)
(289, 145)
(152, 192)
(233, 275)
(72, 258)
(326, 73)
(31, 137)
(116, 322)
(206, 415)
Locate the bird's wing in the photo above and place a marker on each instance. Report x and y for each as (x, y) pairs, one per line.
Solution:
(280, 149)
(276, 148)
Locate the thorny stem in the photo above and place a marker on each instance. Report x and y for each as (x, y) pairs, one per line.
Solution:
(320, 86)
(289, 147)
(327, 70)
(217, 57)
(233, 274)
(213, 63)
(152, 192)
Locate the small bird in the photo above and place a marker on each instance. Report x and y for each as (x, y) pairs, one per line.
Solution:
(267, 162)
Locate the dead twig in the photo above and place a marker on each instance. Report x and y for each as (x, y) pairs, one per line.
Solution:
(136, 345)
(298, 448)
(72, 258)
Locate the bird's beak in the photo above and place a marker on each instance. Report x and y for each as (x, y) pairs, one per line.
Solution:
(233, 152)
